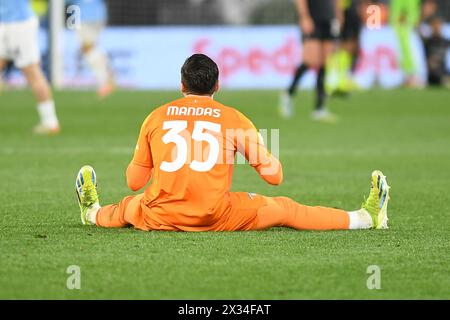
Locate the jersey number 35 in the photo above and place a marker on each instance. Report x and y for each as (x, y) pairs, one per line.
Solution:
(198, 134)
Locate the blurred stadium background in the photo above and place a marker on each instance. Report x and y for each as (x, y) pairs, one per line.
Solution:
(255, 42)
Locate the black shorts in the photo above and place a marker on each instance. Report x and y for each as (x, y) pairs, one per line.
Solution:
(352, 27)
(323, 31)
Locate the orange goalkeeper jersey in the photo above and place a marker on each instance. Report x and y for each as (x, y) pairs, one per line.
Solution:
(188, 147)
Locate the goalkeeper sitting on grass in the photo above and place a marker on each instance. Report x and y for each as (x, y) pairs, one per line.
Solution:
(187, 148)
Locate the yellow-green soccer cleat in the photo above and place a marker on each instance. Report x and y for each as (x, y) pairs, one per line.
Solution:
(377, 203)
(86, 189)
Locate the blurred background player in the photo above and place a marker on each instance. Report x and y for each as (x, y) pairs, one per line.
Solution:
(93, 21)
(319, 23)
(435, 44)
(341, 65)
(19, 43)
(404, 18)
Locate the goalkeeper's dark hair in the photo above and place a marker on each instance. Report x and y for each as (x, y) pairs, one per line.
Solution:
(199, 75)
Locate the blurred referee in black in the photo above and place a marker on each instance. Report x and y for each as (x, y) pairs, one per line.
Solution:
(320, 24)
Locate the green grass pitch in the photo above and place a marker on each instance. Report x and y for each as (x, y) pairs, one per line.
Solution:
(404, 133)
